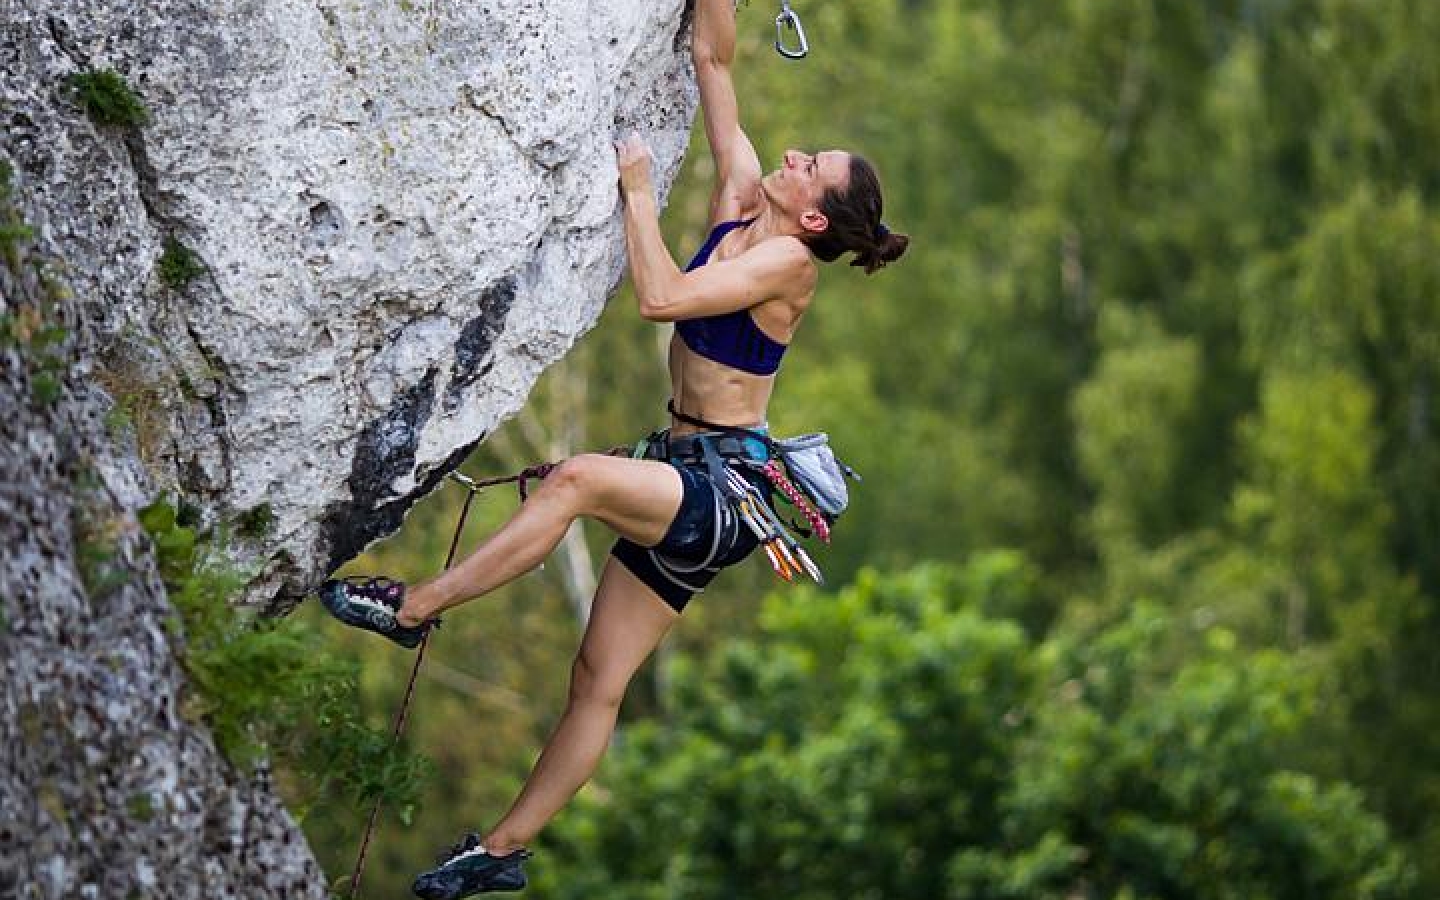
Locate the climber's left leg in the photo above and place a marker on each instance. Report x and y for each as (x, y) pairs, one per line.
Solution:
(627, 622)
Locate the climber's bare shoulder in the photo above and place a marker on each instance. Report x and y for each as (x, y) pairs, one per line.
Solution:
(738, 197)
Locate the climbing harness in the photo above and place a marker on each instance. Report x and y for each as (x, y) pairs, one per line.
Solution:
(788, 20)
(472, 487)
(802, 469)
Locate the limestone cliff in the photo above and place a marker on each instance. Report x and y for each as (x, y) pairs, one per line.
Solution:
(399, 212)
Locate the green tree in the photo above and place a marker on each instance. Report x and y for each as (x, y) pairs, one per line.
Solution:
(902, 738)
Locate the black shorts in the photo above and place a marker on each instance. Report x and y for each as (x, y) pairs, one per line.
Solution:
(705, 537)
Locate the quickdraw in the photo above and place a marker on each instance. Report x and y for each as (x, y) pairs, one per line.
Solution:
(784, 485)
(786, 556)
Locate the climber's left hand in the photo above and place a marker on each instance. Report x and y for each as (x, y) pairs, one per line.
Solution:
(632, 155)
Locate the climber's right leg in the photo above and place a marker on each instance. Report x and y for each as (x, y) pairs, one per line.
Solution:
(636, 498)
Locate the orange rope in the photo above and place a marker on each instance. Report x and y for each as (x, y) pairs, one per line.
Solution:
(401, 716)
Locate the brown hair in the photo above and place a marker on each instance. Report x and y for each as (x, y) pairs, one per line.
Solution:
(855, 224)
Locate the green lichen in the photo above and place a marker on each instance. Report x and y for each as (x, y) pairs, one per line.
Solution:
(188, 513)
(95, 558)
(96, 531)
(141, 807)
(107, 99)
(256, 522)
(178, 265)
(43, 343)
(33, 328)
(118, 420)
(48, 798)
(14, 233)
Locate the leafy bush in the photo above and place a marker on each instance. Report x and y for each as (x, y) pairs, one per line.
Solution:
(269, 687)
(894, 740)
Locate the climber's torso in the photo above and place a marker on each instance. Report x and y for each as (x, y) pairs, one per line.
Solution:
(723, 367)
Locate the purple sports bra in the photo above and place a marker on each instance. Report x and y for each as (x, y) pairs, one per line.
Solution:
(731, 339)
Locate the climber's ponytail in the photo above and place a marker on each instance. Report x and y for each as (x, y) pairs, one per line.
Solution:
(855, 225)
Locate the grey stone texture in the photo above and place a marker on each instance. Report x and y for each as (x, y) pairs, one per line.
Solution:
(404, 210)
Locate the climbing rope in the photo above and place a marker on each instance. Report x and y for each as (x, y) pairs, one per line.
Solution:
(472, 487)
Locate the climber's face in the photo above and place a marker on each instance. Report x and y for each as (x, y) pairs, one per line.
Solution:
(802, 180)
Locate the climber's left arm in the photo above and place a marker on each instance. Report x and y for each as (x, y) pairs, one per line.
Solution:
(776, 269)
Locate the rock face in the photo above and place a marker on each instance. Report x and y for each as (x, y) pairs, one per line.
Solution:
(403, 210)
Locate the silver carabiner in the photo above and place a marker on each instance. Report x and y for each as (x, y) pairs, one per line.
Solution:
(788, 19)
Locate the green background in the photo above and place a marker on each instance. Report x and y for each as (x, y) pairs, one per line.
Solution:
(1138, 596)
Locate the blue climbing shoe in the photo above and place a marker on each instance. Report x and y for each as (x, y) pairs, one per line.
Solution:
(468, 869)
(371, 604)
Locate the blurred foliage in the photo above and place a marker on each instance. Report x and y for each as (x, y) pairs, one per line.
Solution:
(1168, 339)
(894, 740)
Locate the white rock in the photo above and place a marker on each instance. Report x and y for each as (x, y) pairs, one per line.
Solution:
(405, 209)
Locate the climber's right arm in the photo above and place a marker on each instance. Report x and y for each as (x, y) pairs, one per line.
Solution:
(738, 168)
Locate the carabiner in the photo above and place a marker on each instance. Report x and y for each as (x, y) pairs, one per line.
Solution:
(788, 19)
(465, 480)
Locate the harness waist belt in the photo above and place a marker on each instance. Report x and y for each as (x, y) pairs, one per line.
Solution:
(690, 448)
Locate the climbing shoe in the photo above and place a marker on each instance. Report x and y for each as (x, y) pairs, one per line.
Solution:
(467, 869)
(371, 604)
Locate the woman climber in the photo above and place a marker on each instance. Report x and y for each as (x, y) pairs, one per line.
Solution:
(735, 308)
